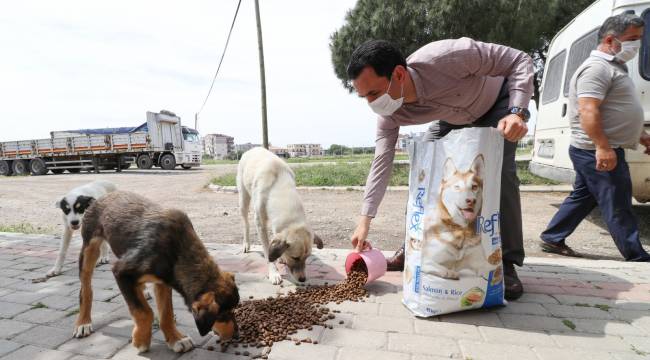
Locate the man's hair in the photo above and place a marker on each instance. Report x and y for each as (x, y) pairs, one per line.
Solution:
(616, 25)
(381, 55)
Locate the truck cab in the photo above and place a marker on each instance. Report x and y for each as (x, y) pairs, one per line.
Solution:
(173, 144)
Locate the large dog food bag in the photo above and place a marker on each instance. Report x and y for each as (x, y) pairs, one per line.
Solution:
(453, 243)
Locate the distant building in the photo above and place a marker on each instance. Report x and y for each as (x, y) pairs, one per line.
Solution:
(402, 142)
(304, 150)
(279, 151)
(526, 141)
(218, 146)
(245, 147)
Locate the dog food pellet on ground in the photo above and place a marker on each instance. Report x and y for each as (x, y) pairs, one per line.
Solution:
(264, 322)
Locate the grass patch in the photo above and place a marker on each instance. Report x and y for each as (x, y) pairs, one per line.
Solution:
(225, 180)
(72, 312)
(528, 178)
(344, 174)
(218, 162)
(331, 175)
(296, 160)
(25, 228)
(581, 304)
(39, 305)
(525, 151)
(569, 324)
(602, 307)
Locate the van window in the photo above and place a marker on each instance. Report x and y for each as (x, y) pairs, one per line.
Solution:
(553, 80)
(578, 53)
(644, 53)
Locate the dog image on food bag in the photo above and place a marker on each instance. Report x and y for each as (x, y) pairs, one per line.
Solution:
(453, 226)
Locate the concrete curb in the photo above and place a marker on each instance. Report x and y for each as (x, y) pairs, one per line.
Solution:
(524, 188)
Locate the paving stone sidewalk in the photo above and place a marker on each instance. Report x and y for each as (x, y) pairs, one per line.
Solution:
(572, 309)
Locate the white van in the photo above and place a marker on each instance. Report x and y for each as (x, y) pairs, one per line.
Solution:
(567, 51)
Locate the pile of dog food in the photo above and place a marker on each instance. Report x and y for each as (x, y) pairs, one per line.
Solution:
(263, 322)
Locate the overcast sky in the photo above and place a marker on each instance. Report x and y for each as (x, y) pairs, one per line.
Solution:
(86, 64)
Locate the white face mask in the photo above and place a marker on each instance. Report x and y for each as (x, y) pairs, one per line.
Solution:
(386, 105)
(629, 49)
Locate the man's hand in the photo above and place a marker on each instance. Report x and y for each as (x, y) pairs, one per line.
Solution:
(605, 159)
(361, 233)
(645, 141)
(512, 127)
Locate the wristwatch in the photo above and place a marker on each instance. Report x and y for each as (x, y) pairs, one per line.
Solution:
(523, 113)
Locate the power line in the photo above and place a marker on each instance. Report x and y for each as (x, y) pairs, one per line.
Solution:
(220, 61)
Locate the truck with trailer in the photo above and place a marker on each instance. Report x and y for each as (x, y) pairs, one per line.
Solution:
(161, 141)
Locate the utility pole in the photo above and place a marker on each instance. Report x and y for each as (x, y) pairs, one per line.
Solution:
(196, 121)
(265, 134)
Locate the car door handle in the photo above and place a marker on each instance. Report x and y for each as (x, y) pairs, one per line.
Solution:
(563, 110)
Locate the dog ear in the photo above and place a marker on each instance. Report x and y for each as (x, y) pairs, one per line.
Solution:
(318, 241)
(478, 165)
(205, 310)
(57, 204)
(230, 276)
(449, 169)
(205, 302)
(84, 202)
(277, 247)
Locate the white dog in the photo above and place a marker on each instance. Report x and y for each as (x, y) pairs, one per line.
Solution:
(73, 205)
(268, 182)
(451, 243)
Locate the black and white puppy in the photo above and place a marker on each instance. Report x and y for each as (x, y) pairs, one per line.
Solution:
(73, 205)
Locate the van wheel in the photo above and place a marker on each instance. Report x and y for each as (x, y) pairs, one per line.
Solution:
(144, 162)
(20, 167)
(37, 166)
(57, 171)
(5, 168)
(167, 162)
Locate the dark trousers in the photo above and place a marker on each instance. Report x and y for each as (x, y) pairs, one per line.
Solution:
(512, 238)
(611, 191)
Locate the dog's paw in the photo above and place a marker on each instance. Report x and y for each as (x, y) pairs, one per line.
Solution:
(55, 271)
(141, 348)
(275, 277)
(82, 330)
(181, 345)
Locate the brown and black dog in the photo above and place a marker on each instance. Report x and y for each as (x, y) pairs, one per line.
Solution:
(159, 246)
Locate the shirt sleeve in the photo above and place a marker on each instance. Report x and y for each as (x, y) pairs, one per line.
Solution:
(593, 81)
(477, 58)
(382, 166)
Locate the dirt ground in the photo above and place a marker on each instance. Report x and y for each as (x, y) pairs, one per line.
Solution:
(30, 199)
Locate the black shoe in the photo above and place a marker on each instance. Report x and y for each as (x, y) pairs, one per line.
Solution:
(559, 248)
(514, 287)
(396, 262)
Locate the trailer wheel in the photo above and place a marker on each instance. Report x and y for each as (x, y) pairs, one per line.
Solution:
(186, 167)
(167, 162)
(144, 162)
(74, 171)
(5, 168)
(57, 171)
(37, 166)
(20, 167)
